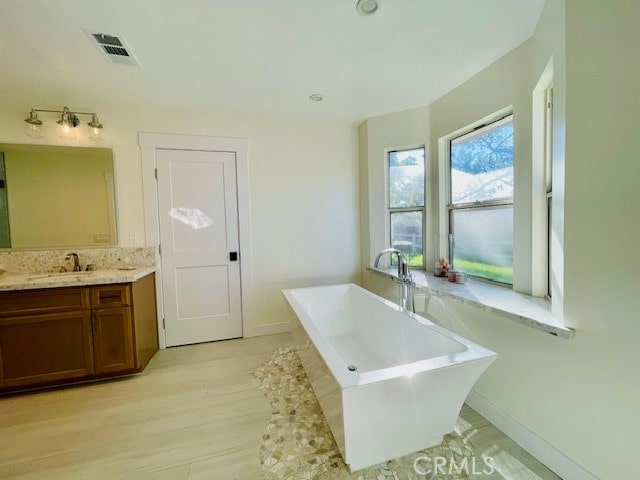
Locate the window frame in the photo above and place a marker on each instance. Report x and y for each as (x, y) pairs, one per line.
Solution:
(478, 205)
(548, 178)
(423, 209)
(543, 270)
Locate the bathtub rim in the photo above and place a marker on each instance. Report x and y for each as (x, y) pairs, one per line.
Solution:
(347, 379)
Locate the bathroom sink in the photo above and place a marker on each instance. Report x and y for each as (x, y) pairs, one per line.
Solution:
(77, 276)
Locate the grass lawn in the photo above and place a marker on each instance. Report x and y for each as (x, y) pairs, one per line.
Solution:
(476, 269)
(490, 272)
(413, 259)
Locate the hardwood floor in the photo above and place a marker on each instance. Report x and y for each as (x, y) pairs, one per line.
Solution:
(192, 415)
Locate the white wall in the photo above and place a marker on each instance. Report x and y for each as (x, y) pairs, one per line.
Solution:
(579, 396)
(303, 186)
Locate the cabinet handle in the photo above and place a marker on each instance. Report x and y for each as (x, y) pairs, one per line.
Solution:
(110, 297)
(96, 324)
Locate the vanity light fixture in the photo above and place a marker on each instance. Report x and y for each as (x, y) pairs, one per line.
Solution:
(34, 126)
(95, 132)
(68, 122)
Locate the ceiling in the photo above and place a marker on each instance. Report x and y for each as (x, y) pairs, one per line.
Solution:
(256, 56)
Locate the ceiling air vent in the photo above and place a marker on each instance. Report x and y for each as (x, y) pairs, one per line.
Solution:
(114, 48)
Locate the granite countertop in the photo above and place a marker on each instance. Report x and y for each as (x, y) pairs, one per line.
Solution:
(31, 281)
(502, 301)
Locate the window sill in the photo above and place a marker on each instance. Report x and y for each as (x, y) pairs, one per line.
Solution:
(502, 301)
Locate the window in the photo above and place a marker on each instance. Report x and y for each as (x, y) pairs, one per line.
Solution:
(480, 201)
(406, 203)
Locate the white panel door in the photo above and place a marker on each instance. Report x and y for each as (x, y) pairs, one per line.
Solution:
(198, 210)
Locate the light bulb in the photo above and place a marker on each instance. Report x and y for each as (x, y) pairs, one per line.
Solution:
(68, 122)
(34, 127)
(96, 134)
(95, 129)
(34, 131)
(67, 132)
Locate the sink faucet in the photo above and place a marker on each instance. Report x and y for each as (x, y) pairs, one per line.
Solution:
(76, 261)
(405, 277)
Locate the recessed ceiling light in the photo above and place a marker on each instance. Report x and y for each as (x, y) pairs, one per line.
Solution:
(367, 7)
(316, 97)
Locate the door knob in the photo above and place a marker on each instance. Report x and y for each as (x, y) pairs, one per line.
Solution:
(233, 256)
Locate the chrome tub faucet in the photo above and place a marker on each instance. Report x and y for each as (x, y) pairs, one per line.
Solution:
(405, 277)
(403, 266)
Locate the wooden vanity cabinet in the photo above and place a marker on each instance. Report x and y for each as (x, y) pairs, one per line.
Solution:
(69, 334)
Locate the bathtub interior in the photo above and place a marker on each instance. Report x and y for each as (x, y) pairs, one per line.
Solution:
(370, 333)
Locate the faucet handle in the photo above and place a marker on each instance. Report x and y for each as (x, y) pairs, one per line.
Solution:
(405, 269)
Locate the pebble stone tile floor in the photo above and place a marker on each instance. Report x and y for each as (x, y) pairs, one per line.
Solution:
(298, 444)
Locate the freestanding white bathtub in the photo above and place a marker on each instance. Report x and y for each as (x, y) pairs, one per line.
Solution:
(410, 380)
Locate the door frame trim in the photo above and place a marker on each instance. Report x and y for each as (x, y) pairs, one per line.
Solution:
(150, 142)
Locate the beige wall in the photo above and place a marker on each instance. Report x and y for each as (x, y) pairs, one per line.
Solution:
(580, 396)
(602, 226)
(303, 189)
(79, 180)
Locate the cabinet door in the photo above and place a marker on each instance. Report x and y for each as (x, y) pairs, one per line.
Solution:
(45, 348)
(113, 340)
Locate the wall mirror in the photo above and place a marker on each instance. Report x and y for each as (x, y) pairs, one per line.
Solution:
(56, 196)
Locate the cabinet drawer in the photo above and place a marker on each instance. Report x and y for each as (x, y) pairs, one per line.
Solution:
(109, 296)
(32, 302)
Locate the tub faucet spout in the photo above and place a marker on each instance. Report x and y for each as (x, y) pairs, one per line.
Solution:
(405, 277)
(403, 266)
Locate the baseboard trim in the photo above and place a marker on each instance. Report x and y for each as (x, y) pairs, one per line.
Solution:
(271, 329)
(555, 460)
